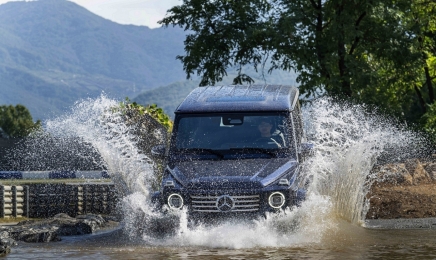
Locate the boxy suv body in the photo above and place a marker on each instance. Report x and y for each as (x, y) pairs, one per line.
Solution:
(235, 150)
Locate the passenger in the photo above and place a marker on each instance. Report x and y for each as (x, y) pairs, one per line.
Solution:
(266, 136)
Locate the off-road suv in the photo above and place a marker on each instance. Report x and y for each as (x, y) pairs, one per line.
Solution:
(234, 150)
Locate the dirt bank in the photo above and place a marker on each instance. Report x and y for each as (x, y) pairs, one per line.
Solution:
(404, 190)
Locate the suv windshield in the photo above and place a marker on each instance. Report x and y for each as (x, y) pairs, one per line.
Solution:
(239, 131)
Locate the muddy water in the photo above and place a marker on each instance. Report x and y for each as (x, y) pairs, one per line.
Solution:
(350, 242)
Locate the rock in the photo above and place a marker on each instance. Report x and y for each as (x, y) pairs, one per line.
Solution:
(37, 235)
(431, 170)
(411, 172)
(6, 243)
(75, 229)
(419, 174)
(403, 190)
(63, 216)
(394, 174)
(52, 229)
(97, 219)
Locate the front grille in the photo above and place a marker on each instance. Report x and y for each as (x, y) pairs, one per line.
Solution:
(220, 203)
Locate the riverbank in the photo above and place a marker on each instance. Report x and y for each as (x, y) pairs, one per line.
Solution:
(51, 229)
(404, 190)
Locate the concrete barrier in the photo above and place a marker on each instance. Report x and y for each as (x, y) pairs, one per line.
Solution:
(14, 201)
(54, 175)
(48, 199)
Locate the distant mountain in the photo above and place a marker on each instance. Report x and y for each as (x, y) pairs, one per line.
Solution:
(54, 52)
(170, 96)
(167, 97)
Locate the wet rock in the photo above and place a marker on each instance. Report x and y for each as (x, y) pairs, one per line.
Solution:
(37, 235)
(410, 172)
(431, 170)
(394, 174)
(6, 243)
(419, 174)
(50, 230)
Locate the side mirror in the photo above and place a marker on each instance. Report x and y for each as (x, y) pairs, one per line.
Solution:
(158, 151)
(306, 149)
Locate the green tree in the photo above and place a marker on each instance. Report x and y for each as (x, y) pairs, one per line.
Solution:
(17, 121)
(430, 122)
(407, 87)
(331, 43)
(422, 23)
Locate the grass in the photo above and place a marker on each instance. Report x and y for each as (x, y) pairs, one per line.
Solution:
(12, 220)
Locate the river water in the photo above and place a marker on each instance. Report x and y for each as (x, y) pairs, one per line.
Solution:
(348, 242)
(330, 224)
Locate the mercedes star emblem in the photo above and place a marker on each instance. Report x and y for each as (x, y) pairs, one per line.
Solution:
(225, 203)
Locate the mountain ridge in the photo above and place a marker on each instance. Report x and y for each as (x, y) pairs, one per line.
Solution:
(60, 49)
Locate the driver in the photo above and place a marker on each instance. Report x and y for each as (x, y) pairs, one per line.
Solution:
(266, 137)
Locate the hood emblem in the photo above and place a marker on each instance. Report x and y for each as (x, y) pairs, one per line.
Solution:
(225, 203)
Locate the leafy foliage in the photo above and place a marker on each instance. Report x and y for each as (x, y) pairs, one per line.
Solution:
(153, 110)
(430, 116)
(17, 121)
(379, 52)
(328, 42)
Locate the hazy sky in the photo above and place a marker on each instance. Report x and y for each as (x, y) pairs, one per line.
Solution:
(138, 12)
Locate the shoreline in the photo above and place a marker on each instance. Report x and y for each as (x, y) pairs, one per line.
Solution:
(401, 223)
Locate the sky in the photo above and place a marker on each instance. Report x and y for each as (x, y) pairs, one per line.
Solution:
(137, 12)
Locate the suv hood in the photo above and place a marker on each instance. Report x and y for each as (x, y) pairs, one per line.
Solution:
(228, 174)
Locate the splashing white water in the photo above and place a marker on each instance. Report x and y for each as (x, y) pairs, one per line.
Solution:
(292, 227)
(347, 143)
(95, 121)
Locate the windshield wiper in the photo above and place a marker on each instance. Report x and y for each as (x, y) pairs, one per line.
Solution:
(210, 151)
(261, 150)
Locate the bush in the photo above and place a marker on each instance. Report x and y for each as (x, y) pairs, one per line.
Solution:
(17, 121)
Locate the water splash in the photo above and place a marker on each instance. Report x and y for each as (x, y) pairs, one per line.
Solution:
(293, 227)
(348, 142)
(95, 121)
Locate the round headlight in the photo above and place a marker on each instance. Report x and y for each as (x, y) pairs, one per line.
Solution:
(175, 201)
(276, 200)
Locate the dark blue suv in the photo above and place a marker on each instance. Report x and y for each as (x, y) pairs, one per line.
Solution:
(235, 150)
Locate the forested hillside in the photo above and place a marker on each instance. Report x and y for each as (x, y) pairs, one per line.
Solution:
(54, 52)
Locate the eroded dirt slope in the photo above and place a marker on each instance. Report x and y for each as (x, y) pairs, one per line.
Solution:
(404, 190)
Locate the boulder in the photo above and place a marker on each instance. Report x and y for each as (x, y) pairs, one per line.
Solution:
(430, 168)
(416, 169)
(410, 172)
(37, 235)
(393, 174)
(6, 243)
(48, 230)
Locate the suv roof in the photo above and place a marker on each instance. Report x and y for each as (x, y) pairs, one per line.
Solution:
(240, 98)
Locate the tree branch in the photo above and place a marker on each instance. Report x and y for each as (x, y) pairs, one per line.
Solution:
(357, 38)
(420, 98)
